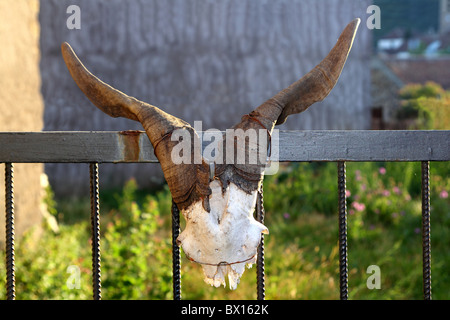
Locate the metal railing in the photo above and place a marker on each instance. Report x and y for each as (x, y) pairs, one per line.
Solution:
(298, 146)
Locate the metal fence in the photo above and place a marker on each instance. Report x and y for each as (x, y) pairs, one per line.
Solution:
(295, 146)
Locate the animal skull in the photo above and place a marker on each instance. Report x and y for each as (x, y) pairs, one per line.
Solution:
(221, 233)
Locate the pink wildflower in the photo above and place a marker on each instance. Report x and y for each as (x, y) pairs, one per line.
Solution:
(443, 194)
(358, 206)
(382, 170)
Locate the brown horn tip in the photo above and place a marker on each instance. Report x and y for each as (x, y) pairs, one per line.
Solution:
(312, 87)
(318, 83)
(106, 98)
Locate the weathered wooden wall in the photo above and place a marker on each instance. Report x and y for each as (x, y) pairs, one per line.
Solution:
(21, 105)
(200, 60)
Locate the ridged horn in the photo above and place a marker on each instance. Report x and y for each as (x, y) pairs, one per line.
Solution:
(187, 182)
(311, 88)
(106, 98)
(319, 82)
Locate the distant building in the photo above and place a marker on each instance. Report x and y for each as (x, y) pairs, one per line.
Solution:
(392, 42)
(389, 74)
(414, 27)
(444, 24)
(385, 85)
(411, 16)
(421, 70)
(413, 46)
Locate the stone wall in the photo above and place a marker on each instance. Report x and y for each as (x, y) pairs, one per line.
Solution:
(21, 104)
(199, 60)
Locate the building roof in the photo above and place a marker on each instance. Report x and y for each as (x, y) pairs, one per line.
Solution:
(421, 70)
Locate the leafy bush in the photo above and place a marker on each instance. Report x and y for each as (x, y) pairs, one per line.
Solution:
(133, 256)
(295, 189)
(428, 105)
(384, 224)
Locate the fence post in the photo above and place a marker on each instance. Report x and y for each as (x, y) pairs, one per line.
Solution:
(176, 253)
(95, 231)
(343, 255)
(260, 282)
(426, 231)
(9, 204)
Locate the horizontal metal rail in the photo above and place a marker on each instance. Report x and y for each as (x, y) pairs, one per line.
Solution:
(134, 146)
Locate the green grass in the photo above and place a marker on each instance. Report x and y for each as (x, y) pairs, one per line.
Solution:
(302, 257)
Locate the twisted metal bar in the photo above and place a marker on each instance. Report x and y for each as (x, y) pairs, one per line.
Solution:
(95, 231)
(9, 204)
(343, 254)
(176, 253)
(260, 281)
(426, 231)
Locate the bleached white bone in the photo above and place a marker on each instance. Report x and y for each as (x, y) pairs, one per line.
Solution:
(224, 240)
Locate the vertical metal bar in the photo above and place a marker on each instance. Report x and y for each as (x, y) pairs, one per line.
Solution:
(343, 254)
(426, 231)
(260, 285)
(9, 204)
(176, 253)
(95, 231)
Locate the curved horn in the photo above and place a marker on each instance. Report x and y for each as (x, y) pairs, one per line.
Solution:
(106, 98)
(311, 88)
(314, 86)
(187, 182)
(319, 82)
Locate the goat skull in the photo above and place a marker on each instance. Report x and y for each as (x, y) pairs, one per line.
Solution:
(221, 233)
